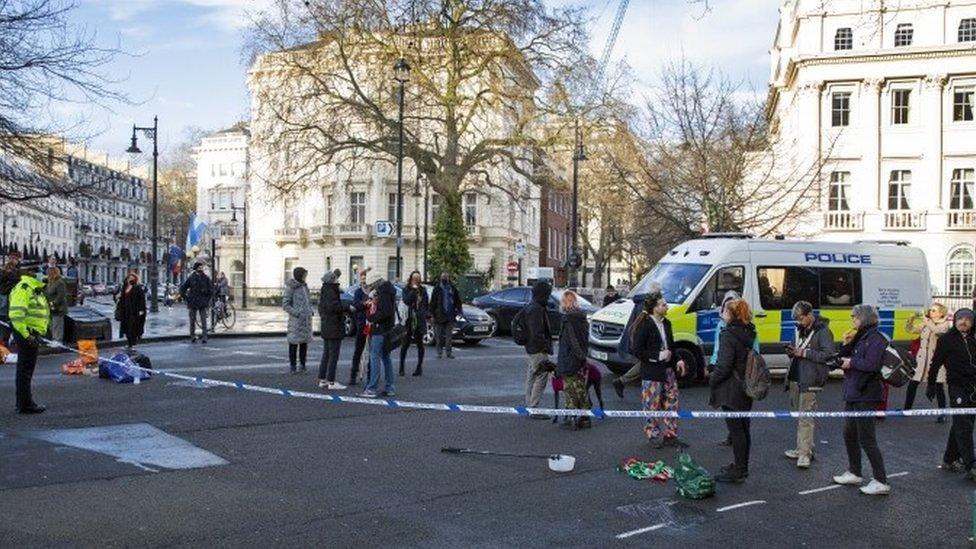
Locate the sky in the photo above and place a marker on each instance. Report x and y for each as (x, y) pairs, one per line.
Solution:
(183, 58)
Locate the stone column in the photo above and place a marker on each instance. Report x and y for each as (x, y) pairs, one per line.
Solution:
(928, 187)
(868, 180)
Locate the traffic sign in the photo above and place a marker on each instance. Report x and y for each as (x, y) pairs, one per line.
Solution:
(520, 249)
(512, 267)
(384, 229)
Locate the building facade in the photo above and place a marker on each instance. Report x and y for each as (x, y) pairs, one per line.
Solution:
(880, 97)
(556, 231)
(36, 228)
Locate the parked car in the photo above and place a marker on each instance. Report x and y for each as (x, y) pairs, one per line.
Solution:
(98, 289)
(503, 305)
(87, 290)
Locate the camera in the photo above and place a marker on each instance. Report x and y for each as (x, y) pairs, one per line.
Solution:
(834, 362)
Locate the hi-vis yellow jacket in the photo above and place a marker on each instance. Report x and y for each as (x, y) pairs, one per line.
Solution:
(29, 310)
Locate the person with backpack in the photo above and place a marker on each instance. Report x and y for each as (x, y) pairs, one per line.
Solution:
(332, 315)
(729, 297)
(381, 314)
(571, 358)
(861, 362)
(956, 351)
(728, 385)
(933, 325)
(652, 343)
(531, 329)
(196, 292)
(812, 347)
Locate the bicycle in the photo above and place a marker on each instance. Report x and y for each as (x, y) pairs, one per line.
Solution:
(223, 312)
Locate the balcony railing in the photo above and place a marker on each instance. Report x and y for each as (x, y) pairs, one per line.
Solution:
(961, 220)
(843, 221)
(288, 235)
(352, 230)
(320, 233)
(474, 231)
(904, 220)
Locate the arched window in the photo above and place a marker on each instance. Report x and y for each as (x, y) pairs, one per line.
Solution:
(960, 272)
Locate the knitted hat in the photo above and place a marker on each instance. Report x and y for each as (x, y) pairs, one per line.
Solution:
(965, 312)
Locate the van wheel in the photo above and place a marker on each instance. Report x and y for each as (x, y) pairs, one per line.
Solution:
(690, 359)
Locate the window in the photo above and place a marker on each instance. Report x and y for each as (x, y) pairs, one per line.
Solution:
(328, 209)
(435, 207)
(843, 39)
(355, 264)
(290, 264)
(470, 209)
(960, 271)
(677, 280)
(961, 192)
(781, 287)
(903, 35)
(724, 280)
(839, 189)
(357, 208)
(840, 109)
(900, 105)
(967, 30)
(899, 188)
(839, 287)
(962, 105)
(391, 207)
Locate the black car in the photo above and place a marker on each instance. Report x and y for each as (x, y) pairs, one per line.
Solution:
(503, 305)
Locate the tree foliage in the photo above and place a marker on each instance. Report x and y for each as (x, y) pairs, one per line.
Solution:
(449, 249)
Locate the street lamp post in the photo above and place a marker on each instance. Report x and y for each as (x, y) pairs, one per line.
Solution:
(233, 218)
(401, 72)
(151, 133)
(6, 244)
(426, 222)
(578, 156)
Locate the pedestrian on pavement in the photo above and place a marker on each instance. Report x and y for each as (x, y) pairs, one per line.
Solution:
(812, 347)
(298, 304)
(933, 324)
(445, 307)
(863, 392)
(381, 315)
(197, 292)
(956, 352)
(333, 315)
(132, 310)
(29, 317)
(727, 388)
(611, 295)
(538, 345)
(222, 287)
(652, 342)
(418, 309)
(360, 297)
(623, 348)
(72, 271)
(8, 279)
(571, 358)
(56, 291)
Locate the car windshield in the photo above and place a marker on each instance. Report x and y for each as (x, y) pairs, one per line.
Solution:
(677, 280)
(583, 303)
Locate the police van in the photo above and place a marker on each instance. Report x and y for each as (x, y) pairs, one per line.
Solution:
(771, 275)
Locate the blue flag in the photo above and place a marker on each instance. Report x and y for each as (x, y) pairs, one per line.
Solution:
(195, 232)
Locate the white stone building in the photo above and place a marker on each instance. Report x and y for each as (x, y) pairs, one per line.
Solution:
(880, 96)
(39, 227)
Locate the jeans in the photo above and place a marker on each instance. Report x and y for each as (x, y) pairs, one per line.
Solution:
(741, 440)
(660, 396)
(535, 379)
(960, 443)
(26, 361)
(940, 396)
(357, 356)
(56, 327)
(377, 356)
(202, 314)
(859, 435)
(803, 402)
(299, 349)
(416, 337)
(444, 331)
(330, 358)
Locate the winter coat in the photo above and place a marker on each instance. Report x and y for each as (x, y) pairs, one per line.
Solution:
(331, 310)
(608, 299)
(573, 342)
(298, 305)
(383, 316)
(957, 353)
(436, 303)
(132, 311)
(646, 344)
(196, 291)
(359, 299)
(862, 381)
(726, 381)
(929, 332)
(715, 344)
(418, 309)
(57, 296)
(811, 371)
(537, 320)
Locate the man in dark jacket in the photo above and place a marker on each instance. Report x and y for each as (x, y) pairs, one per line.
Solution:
(610, 296)
(196, 292)
(445, 306)
(333, 314)
(359, 299)
(956, 351)
(382, 317)
(538, 346)
(812, 346)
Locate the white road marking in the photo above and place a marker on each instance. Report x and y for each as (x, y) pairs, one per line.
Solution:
(626, 535)
(835, 486)
(901, 474)
(739, 505)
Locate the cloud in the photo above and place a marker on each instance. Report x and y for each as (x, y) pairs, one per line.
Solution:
(223, 15)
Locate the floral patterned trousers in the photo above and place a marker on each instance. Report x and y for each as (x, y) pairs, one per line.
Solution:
(661, 396)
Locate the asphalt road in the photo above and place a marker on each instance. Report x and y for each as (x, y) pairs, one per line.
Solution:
(267, 470)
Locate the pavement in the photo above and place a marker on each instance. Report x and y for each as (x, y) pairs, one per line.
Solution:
(173, 464)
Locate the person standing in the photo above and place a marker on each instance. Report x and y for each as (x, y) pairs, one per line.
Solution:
(222, 287)
(418, 309)
(728, 389)
(812, 346)
(863, 392)
(623, 347)
(197, 292)
(332, 314)
(935, 323)
(56, 291)
(381, 315)
(610, 296)
(956, 351)
(298, 304)
(132, 310)
(571, 358)
(538, 345)
(8, 279)
(723, 316)
(72, 271)
(29, 317)
(359, 300)
(652, 342)
(445, 306)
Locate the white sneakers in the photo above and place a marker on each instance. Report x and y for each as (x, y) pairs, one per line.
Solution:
(873, 488)
(792, 454)
(848, 479)
(331, 386)
(803, 462)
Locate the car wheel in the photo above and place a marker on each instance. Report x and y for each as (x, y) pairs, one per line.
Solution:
(691, 363)
(496, 327)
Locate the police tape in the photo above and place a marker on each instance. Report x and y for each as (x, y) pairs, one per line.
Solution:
(524, 410)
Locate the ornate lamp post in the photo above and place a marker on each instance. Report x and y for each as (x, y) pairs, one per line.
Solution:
(401, 72)
(151, 133)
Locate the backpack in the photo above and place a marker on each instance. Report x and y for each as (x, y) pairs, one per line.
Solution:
(520, 330)
(757, 379)
(897, 365)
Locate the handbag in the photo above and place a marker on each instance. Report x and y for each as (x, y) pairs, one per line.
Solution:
(394, 338)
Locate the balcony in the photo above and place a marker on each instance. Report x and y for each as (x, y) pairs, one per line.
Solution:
(288, 235)
(320, 233)
(474, 232)
(352, 231)
(843, 221)
(961, 220)
(904, 221)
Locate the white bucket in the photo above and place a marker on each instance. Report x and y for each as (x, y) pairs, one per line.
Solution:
(561, 463)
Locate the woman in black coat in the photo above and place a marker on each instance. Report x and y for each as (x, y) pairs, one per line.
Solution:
(418, 309)
(728, 388)
(333, 315)
(132, 310)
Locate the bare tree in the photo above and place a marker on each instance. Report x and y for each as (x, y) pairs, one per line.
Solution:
(178, 185)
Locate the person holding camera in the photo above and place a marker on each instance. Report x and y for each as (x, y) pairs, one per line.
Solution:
(956, 351)
(812, 347)
(933, 325)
